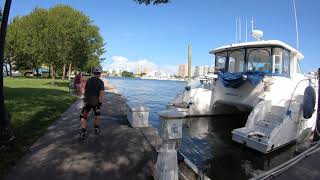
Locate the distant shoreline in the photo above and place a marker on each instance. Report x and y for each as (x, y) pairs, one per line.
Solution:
(138, 78)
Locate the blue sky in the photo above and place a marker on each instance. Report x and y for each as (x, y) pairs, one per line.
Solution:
(158, 36)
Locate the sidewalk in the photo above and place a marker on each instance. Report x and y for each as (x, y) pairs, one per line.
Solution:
(121, 152)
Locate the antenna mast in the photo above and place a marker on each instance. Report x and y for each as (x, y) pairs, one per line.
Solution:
(236, 30)
(246, 30)
(239, 30)
(295, 16)
(252, 24)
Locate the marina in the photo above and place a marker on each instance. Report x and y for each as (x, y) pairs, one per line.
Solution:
(250, 78)
(207, 141)
(159, 90)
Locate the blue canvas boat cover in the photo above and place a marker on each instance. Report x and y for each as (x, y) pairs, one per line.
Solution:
(236, 79)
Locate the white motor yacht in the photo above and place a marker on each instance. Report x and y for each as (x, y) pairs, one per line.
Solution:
(262, 78)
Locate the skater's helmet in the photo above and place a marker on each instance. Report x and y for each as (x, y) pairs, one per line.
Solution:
(97, 70)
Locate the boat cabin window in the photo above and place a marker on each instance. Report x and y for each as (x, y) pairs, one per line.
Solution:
(236, 61)
(281, 62)
(259, 60)
(221, 62)
(268, 60)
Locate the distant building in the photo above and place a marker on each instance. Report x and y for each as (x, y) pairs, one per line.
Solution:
(198, 71)
(146, 70)
(211, 70)
(138, 71)
(206, 70)
(183, 70)
(159, 74)
(203, 70)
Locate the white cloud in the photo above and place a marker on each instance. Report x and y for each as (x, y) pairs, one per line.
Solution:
(123, 63)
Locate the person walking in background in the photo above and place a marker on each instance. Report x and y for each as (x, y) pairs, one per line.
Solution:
(76, 83)
(93, 96)
(82, 87)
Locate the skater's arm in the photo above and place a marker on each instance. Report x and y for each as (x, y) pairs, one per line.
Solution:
(101, 94)
(101, 91)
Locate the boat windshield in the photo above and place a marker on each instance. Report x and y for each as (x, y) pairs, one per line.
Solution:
(267, 60)
(259, 59)
(236, 61)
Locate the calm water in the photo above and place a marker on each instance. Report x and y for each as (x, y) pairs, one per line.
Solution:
(206, 140)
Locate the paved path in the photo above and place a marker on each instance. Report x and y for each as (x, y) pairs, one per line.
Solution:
(120, 152)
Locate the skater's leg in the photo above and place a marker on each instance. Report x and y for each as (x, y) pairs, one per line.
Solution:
(83, 121)
(83, 118)
(97, 119)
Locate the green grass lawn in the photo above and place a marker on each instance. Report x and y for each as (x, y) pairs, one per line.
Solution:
(33, 105)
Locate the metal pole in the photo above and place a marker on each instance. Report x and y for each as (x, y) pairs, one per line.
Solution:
(189, 63)
(296, 20)
(236, 30)
(240, 30)
(6, 133)
(246, 30)
(316, 136)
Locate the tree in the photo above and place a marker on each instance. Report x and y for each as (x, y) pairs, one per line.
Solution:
(25, 44)
(154, 2)
(55, 37)
(127, 74)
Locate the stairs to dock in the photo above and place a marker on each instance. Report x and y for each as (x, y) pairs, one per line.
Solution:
(267, 128)
(272, 119)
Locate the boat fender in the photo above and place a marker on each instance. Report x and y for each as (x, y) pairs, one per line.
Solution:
(188, 88)
(309, 102)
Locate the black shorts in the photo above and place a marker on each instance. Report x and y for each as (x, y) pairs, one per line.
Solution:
(86, 109)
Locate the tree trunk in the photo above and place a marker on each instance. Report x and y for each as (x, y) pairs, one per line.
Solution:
(53, 74)
(6, 67)
(37, 72)
(64, 72)
(49, 71)
(10, 66)
(69, 73)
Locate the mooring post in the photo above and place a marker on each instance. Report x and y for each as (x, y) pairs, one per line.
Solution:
(189, 63)
(167, 161)
(316, 136)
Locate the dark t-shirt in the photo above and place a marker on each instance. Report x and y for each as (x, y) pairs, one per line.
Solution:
(93, 86)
